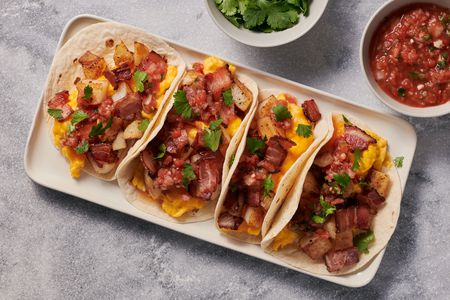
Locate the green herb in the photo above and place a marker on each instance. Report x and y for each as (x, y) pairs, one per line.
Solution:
(228, 97)
(346, 121)
(188, 175)
(162, 151)
(263, 15)
(398, 161)
(343, 180)
(255, 145)
(304, 130)
(181, 105)
(143, 125)
(281, 112)
(357, 154)
(327, 209)
(70, 128)
(444, 55)
(361, 241)
(87, 92)
(401, 92)
(232, 157)
(441, 65)
(415, 75)
(215, 124)
(213, 134)
(82, 148)
(268, 185)
(139, 78)
(99, 129)
(431, 48)
(55, 113)
(78, 116)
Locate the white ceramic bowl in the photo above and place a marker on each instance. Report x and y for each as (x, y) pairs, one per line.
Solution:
(383, 12)
(276, 38)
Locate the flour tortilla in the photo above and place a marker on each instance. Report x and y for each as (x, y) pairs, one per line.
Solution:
(384, 222)
(65, 69)
(144, 202)
(320, 132)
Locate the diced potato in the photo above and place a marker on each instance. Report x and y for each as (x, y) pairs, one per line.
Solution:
(330, 226)
(93, 65)
(123, 56)
(310, 184)
(99, 89)
(380, 182)
(132, 131)
(241, 95)
(266, 126)
(189, 77)
(140, 52)
(254, 216)
(119, 143)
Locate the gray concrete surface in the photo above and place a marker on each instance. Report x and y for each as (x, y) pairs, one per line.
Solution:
(54, 246)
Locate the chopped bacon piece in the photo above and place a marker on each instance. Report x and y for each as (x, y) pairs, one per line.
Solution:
(311, 110)
(168, 178)
(177, 141)
(155, 66)
(316, 245)
(122, 73)
(218, 81)
(344, 240)
(198, 67)
(71, 141)
(149, 162)
(371, 198)
(357, 138)
(353, 217)
(112, 79)
(209, 174)
(336, 260)
(60, 101)
(228, 221)
(103, 153)
(196, 97)
(129, 108)
(105, 108)
(111, 132)
(276, 152)
(234, 203)
(254, 194)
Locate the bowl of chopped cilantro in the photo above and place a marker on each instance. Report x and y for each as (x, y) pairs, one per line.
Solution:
(265, 23)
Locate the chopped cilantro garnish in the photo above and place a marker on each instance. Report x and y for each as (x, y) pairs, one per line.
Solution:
(268, 185)
(357, 154)
(55, 113)
(87, 92)
(304, 130)
(78, 116)
(99, 129)
(342, 179)
(441, 65)
(213, 134)
(143, 125)
(139, 78)
(82, 148)
(181, 105)
(346, 121)
(327, 209)
(281, 112)
(228, 97)
(215, 124)
(70, 128)
(398, 161)
(162, 151)
(255, 145)
(361, 241)
(401, 92)
(188, 175)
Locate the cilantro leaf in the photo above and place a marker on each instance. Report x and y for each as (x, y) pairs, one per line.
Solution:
(255, 145)
(188, 175)
(401, 92)
(78, 116)
(162, 151)
(398, 161)
(181, 105)
(327, 209)
(82, 148)
(143, 125)
(99, 129)
(87, 92)
(70, 128)
(213, 134)
(281, 112)
(268, 185)
(139, 78)
(280, 20)
(361, 241)
(228, 7)
(55, 113)
(215, 124)
(228, 97)
(304, 130)
(232, 157)
(357, 154)
(253, 16)
(346, 121)
(342, 179)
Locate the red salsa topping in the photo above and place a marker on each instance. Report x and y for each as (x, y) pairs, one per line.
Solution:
(409, 55)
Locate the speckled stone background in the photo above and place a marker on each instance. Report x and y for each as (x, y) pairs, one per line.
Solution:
(55, 246)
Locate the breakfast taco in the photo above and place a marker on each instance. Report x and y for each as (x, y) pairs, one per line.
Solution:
(177, 174)
(343, 207)
(281, 135)
(107, 86)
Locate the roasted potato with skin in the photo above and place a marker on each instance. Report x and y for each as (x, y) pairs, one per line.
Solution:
(123, 56)
(380, 182)
(119, 143)
(93, 65)
(99, 89)
(132, 131)
(254, 216)
(266, 126)
(140, 52)
(241, 95)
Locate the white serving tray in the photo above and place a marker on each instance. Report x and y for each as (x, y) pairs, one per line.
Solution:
(47, 167)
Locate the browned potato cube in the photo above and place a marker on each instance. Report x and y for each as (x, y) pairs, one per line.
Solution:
(93, 65)
(380, 182)
(123, 56)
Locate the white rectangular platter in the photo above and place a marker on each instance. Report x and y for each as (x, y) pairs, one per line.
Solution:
(47, 167)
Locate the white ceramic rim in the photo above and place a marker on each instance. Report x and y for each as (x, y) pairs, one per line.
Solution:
(384, 11)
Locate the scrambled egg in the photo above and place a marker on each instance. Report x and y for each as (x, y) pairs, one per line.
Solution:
(233, 126)
(212, 63)
(76, 161)
(175, 206)
(244, 227)
(284, 238)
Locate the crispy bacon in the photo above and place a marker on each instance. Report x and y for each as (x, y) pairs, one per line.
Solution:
(149, 162)
(311, 110)
(209, 174)
(344, 239)
(168, 178)
(122, 73)
(276, 152)
(105, 108)
(357, 138)
(71, 141)
(154, 65)
(371, 198)
(336, 260)
(112, 79)
(316, 245)
(111, 132)
(218, 81)
(254, 194)
(60, 101)
(129, 108)
(196, 94)
(229, 221)
(234, 203)
(177, 141)
(353, 217)
(103, 152)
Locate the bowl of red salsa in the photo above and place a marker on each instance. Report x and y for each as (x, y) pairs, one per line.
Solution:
(405, 54)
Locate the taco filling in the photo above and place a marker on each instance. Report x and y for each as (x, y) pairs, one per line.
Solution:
(106, 112)
(279, 133)
(182, 166)
(341, 195)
